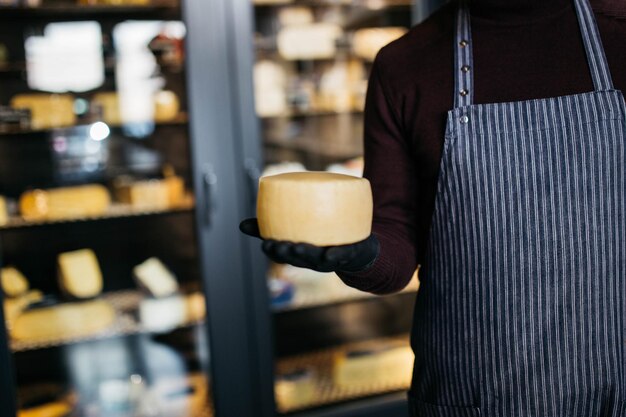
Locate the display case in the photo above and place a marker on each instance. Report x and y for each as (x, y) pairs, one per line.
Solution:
(120, 257)
(335, 351)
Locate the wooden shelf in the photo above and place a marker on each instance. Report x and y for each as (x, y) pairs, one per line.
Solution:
(326, 392)
(180, 120)
(78, 12)
(307, 299)
(125, 304)
(374, 5)
(313, 113)
(116, 211)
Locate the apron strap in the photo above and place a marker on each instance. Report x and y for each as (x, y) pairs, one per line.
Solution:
(464, 58)
(600, 72)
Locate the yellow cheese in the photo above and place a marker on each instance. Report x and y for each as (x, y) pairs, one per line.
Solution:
(152, 194)
(367, 42)
(156, 278)
(65, 203)
(385, 365)
(110, 106)
(55, 409)
(13, 307)
(196, 306)
(79, 273)
(4, 213)
(166, 106)
(64, 321)
(319, 208)
(314, 41)
(47, 110)
(14, 283)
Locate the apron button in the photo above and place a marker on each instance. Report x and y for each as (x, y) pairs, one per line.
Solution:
(463, 43)
(465, 68)
(464, 119)
(464, 92)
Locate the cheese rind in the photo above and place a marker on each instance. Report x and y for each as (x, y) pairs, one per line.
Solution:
(318, 208)
(79, 273)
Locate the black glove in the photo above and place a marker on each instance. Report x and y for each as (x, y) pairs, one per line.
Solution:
(346, 258)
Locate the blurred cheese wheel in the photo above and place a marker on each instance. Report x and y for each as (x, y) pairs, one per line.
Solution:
(320, 208)
(367, 42)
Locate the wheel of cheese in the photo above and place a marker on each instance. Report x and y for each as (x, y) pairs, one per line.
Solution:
(319, 208)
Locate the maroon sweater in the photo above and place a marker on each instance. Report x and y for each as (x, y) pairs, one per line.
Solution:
(523, 49)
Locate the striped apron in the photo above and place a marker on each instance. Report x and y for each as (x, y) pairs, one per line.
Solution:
(522, 307)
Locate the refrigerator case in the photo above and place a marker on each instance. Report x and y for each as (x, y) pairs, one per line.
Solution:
(335, 351)
(110, 241)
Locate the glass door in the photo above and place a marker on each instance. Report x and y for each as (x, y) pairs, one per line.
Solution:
(333, 345)
(101, 272)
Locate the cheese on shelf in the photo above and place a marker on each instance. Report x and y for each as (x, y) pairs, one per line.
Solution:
(109, 104)
(13, 307)
(63, 321)
(4, 212)
(294, 388)
(166, 106)
(196, 307)
(151, 194)
(295, 16)
(79, 273)
(162, 314)
(14, 283)
(314, 41)
(270, 89)
(47, 110)
(367, 42)
(156, 278)
(319, 208)
(382, 364)
(54, 409)
(65, 203)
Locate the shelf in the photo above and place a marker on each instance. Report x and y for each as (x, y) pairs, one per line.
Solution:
(125, 304)
(180, 120)
(312, 113)
(325, 391)
(311, 299)
(374, 5)
(116, 211)
(325, 148)
(79, 12)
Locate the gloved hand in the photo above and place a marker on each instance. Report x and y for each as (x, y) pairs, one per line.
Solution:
(346, 258)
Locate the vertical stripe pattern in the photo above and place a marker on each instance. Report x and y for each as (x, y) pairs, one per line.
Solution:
(522, 307)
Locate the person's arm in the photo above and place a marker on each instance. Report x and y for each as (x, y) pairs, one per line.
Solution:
(389, 166)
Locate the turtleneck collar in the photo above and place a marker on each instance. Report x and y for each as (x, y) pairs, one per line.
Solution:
(517, 11)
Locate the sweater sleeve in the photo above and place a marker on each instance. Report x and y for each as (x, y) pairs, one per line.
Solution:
(391, 170)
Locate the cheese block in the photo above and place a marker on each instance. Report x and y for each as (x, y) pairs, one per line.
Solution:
(79, 273)
(13, 307)
(162, 314)
(109, 104)
(367, 42)
(54, 409)
(319, 208)
(4, 212)
(64, 321)
(314, 41)
(151, 194)
(47, 110)
(166, 106)
(392, 365)
(270, 88)
(295, 389)
(14, 283)
(295, 16)
(195, 307)
(65, 203)
(156, 278)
